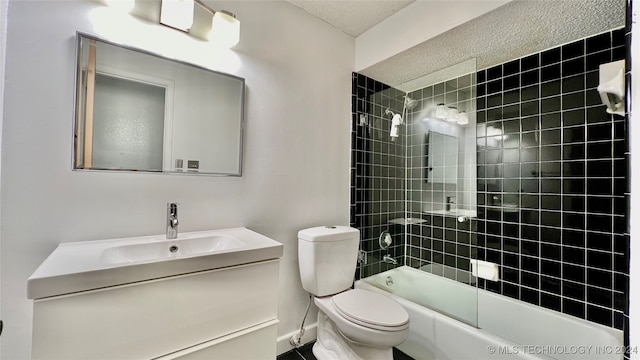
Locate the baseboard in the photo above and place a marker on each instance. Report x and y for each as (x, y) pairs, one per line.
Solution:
(283, 345)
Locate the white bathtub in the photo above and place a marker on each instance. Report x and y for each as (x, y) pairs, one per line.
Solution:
(507, 328)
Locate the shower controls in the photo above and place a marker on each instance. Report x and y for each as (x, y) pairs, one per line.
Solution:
(362, 257)
(385, 240)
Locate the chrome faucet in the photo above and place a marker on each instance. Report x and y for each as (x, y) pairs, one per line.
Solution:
(389, 260)
(447, 205)
(172, 220)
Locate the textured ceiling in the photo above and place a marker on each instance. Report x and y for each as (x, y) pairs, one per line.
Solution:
(514, 30)
(351, 16)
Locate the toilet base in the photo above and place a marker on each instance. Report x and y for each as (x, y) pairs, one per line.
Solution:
(332, 345)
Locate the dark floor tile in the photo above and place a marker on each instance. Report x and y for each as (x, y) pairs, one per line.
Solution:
(290, 355)
(306, 351)
(399, 355)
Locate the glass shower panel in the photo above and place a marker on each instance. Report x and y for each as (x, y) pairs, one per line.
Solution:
(420, 186)
(380, 172)
(442, 191)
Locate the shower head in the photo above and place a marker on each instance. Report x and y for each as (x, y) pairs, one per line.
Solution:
(409, 103)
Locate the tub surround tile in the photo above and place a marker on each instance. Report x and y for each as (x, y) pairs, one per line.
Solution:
(377, 170)
(558, 157)
(572, 182)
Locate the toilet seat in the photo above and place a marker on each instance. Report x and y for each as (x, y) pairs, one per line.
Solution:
(366, 332)
(371, 310)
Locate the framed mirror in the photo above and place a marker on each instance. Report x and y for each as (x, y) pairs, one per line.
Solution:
(441, 158)
(137, 111)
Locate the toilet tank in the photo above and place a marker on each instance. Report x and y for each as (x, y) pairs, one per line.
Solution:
(327, 257)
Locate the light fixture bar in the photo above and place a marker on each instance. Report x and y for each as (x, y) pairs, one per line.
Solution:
(205, 6)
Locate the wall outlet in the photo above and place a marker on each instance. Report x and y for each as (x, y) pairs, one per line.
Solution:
(193, 164)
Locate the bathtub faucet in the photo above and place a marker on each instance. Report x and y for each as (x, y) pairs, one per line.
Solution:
(389, 260)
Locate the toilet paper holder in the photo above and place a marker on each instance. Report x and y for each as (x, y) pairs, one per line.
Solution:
(612, 87)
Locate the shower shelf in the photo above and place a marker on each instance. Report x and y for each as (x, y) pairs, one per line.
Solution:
(407, 221)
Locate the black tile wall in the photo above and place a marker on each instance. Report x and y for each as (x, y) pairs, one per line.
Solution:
(621, 168)
(564, 167)
(377, 171)
(560, 160)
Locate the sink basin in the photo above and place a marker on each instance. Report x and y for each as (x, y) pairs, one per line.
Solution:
(89, 265)
(170, 249)
(456, 212)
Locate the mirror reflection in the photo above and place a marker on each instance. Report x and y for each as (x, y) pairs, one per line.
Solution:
(140, 112)
(443, 139)
(441, 158)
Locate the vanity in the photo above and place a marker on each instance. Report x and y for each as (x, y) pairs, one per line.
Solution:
(204, 295)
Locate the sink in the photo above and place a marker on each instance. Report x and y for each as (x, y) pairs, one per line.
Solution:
(455, 212)
(97, 264)
(170, 249)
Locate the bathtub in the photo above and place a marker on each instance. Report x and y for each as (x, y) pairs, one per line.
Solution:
(507, 328)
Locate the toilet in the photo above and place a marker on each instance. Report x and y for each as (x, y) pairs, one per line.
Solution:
(352, 323)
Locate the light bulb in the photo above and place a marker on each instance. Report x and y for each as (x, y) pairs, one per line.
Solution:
(441, 112)
(452, 114)
(225, 29)
(463, 118)
(177, 14)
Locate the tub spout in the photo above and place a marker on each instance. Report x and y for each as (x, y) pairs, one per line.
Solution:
(389, 260)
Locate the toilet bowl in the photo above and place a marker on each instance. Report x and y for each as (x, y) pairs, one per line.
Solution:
(359, 324)
(366, 317)
(353, 324)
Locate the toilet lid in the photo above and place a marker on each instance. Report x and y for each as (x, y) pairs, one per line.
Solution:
(368, 307)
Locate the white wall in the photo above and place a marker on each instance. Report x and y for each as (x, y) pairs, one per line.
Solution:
(296, 161)
(414, 24)
(3, 45)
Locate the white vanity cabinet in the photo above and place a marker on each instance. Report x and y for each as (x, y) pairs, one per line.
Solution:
(155, 318)
(222, 313)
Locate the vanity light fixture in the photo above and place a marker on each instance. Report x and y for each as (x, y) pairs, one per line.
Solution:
(177, 14)
(449, 114)
(225, 29)
(441, 112)
(462, 118)
(452, 115)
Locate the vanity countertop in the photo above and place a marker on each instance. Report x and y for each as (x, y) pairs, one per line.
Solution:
(88, 265)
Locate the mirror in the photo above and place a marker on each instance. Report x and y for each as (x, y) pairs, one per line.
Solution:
(136, 111)
(441, 158)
